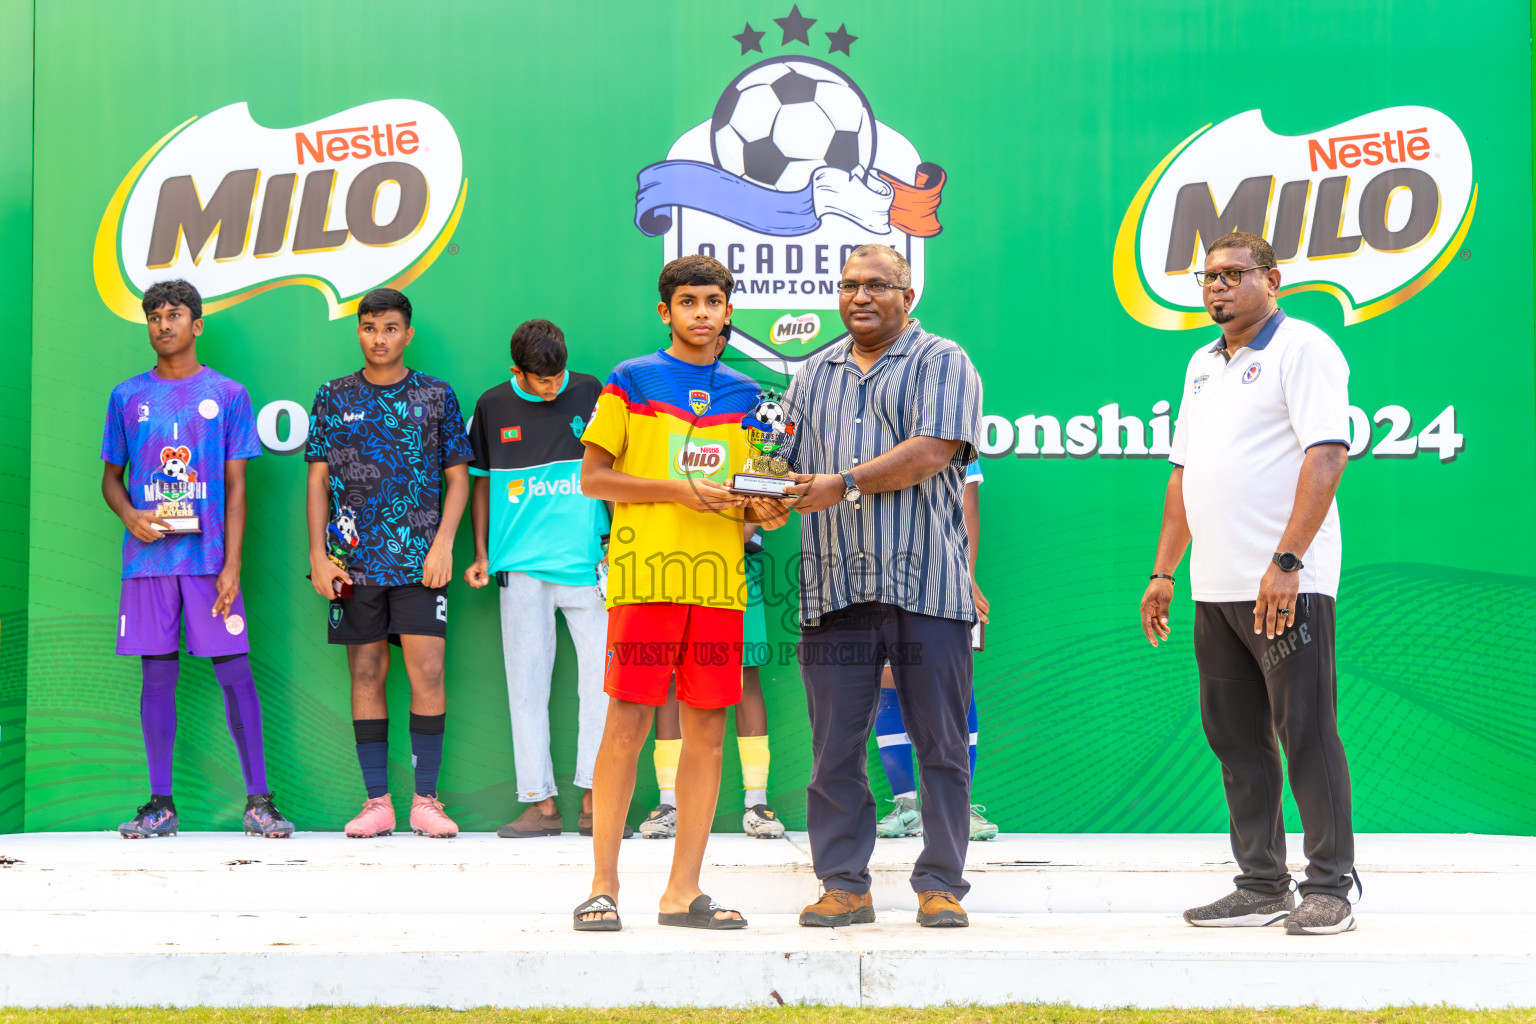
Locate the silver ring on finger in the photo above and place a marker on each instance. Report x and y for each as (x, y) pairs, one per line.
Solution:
(1285, 611)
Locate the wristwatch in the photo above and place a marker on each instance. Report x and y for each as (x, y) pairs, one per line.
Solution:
(852, 493)
(1287, 561)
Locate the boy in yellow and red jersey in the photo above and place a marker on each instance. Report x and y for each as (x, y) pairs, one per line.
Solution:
(662, 444)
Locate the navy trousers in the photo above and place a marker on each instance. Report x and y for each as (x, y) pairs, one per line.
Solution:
(840, 663)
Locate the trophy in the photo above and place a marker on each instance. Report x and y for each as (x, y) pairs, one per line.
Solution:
(340, 539)
(174, 486)
(766, 474)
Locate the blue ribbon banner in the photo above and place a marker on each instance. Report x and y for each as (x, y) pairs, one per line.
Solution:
(707, 188)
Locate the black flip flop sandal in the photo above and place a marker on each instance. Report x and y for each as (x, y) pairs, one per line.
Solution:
(701, 914)
(597, 905)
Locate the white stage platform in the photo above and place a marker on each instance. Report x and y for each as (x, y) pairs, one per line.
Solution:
(227, 920)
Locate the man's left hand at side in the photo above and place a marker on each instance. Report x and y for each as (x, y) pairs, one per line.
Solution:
(1275, 610)
(815, 492)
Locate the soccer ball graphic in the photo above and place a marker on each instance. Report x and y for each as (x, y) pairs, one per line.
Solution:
(780, 120)
(770, 415)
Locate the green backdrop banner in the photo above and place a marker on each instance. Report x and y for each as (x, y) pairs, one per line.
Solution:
(1052, 174)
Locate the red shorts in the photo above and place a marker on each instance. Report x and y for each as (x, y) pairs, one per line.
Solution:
(648, 642)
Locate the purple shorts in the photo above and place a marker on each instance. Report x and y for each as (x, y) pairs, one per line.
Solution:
(152, 608)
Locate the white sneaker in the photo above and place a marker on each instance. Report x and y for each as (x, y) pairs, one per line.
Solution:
(761, 823)
(661, 823)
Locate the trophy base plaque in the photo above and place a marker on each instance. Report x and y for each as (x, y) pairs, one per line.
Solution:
(760, 485)
(180, 524)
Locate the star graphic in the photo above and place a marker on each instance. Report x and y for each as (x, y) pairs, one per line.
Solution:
(841, 40)
(749, 40)
(796, 27)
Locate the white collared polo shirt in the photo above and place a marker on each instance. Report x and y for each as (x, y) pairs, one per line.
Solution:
(1244, 427)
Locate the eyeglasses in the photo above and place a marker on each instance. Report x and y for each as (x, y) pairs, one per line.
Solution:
(1233, 278)
(874, 288)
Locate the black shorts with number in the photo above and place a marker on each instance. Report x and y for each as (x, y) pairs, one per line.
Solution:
(372, 614)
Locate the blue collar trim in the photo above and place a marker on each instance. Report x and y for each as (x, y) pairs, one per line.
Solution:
(564, 383)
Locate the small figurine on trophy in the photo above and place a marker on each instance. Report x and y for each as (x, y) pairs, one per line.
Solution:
(769, 429)
(340, 539)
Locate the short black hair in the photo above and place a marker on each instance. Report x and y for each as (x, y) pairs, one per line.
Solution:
(1262, 252)
(173, 293)
(903, 268)
(382, 300)
(694, 270)
(538, 347)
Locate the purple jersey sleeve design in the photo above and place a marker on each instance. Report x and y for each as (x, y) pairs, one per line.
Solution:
(114, 440)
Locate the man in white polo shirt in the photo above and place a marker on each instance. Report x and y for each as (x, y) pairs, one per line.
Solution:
(1260, 445)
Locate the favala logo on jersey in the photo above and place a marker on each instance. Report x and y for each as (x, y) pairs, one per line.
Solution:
(364, 198)
(785, 178)
(1369, 211)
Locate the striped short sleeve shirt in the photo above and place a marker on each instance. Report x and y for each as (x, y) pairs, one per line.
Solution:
(909, 547)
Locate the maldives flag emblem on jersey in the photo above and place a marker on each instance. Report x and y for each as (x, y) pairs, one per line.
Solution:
(511, 434)
(698, 400)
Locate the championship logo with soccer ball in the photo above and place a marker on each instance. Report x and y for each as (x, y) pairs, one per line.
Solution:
(789, 174)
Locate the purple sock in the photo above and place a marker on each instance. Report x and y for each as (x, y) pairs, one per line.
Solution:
(242, 710)
(157, 715)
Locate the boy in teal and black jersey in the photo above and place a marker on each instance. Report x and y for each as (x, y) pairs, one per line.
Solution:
(542, 539)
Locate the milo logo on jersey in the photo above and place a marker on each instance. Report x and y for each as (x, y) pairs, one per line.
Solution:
(693, 459)
(358, 199)
(789, 174)
(1369, 211)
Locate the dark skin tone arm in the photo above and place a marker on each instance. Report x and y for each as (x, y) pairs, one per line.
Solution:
(1321, 469)
(234, 535)
(140, 522)
(437, 567)
(909, 463)
(323, 573)
(972, 506)
(478, 574)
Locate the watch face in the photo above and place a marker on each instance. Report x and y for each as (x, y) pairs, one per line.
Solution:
(1288, 562)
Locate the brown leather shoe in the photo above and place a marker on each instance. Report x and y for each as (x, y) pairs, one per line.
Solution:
(532, 822)
(838, 908)
(939, 909)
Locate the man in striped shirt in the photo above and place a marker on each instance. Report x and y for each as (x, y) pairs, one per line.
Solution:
(888, 421)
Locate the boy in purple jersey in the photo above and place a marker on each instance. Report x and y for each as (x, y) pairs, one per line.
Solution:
(383, 441)
(184, 431)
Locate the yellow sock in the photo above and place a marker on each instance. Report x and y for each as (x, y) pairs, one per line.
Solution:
(666, 756)
(754, 768)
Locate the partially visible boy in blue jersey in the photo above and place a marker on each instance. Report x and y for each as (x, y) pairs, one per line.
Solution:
(541, 539)
(383, 443)
(906, 818)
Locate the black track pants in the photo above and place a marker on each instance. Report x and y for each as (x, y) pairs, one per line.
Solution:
(1252, 691)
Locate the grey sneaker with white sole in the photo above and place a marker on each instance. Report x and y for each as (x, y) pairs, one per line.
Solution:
(1242, 908)
(1320, 914)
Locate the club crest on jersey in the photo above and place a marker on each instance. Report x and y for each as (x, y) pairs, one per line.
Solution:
(1200, 383)
(578, 425)
(1251, 374)
(175, 480)
(416, 412)
(698, 401)
(781, 181)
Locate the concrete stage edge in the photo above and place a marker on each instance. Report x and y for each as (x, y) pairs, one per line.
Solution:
(221, 919)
